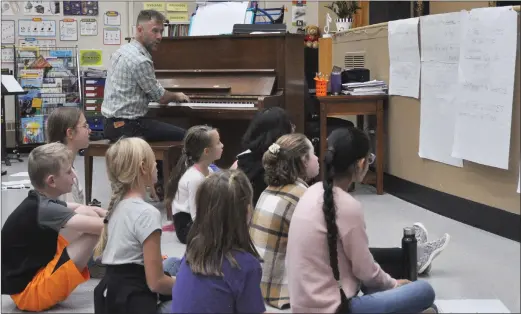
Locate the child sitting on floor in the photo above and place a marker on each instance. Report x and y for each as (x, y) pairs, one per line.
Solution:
(221, 271)
(69, 126)
(130, 244)
(288, 164)
(202, 147)
(46, 245)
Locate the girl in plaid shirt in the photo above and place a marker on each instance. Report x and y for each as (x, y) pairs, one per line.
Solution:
(287, 164)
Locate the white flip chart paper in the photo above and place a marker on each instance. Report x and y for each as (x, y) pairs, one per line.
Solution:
(486, 87)
(440, 49)
(404, 57)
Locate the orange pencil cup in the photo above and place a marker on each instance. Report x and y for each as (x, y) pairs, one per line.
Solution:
(321, 87)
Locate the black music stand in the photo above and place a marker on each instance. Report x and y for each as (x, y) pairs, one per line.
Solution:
(9, 87)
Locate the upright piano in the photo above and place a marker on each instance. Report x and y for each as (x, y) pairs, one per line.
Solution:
(228, 79)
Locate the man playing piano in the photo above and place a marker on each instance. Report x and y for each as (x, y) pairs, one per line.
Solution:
(131, 85)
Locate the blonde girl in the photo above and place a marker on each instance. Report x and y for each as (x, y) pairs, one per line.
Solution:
(130, 244)
(288, 164)
(202, 147)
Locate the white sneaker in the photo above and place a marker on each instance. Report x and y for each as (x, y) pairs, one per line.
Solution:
(420, 232)
(430, 251)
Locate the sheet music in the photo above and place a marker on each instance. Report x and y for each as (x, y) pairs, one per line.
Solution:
(218, 18)
(486, 87)
(440, 48)
(404, 57)
(11, 84)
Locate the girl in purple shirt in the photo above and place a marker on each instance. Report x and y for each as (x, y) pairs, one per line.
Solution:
(221, 271)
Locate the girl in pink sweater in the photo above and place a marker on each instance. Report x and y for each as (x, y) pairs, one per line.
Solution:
(328, 244)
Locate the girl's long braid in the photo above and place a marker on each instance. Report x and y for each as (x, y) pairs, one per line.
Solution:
(118, 192)
(329, 210)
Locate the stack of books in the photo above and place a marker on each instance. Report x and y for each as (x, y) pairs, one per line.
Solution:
(373, 87)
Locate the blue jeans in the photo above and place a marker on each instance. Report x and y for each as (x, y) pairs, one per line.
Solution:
(414, 297)
(170, 265)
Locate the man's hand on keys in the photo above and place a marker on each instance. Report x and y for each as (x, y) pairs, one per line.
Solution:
(180, 97)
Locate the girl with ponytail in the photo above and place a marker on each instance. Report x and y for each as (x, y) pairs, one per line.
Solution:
(328, 250)
(130, 244)
(202, 147)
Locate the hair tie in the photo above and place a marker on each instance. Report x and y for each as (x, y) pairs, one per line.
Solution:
(274, 148)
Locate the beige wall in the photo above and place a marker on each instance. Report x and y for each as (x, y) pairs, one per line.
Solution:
(482, 184)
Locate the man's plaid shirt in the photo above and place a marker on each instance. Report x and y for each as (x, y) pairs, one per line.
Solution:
(131, 83)
(269, 231)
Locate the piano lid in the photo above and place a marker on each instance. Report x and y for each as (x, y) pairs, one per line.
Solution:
(221, 82)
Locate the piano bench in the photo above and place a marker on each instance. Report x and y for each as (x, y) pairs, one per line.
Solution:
(168, 152)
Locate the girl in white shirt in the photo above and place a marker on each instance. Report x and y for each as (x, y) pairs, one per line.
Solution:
(202, 147)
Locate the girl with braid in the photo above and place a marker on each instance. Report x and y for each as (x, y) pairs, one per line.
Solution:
(202, 147)
(328, 254)
(130, 244)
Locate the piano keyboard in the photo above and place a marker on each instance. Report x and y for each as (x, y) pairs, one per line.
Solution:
(207, 104)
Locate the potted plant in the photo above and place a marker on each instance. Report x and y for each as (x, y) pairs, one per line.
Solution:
(344, 11)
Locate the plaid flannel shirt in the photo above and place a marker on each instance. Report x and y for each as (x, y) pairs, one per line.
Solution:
(131, 83)
(269, 231)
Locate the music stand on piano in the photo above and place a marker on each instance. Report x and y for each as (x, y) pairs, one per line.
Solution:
(10, 86)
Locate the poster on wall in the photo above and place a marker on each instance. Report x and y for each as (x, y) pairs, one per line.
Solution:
(9, 8)
(88, 27)
(37, 42)
(8, 30)
(112, 18)
(298, 13)
(91, 57)
(89, 8)
(158, 6)
(41, 7)
(7, 54)
(112, 36)
(37, 27)
(68, 30)
(177, 7)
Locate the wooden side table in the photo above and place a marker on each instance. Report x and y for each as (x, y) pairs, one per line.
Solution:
(356, 105)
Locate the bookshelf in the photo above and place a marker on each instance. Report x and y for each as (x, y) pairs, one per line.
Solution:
(51, 78)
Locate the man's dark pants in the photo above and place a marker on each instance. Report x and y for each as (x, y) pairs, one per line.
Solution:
(148, 129)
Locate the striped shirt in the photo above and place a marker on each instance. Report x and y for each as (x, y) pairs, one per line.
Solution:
(269, 231)
(131, 83)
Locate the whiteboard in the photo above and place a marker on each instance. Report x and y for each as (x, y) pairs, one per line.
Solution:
(218, 18)
(486, 87)
(404, 57)
(440, 49)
